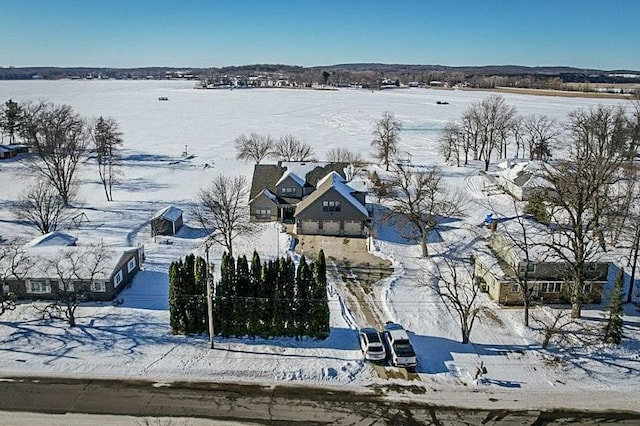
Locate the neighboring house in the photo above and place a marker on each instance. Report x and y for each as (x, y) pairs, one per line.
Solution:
(166, 221)
(522, 180)
(56, 268)
(276, 189)
(501, 266)
(6, 152)
(334, 208)
(56, 238)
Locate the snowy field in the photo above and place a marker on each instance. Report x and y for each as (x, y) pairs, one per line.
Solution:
(134, 339)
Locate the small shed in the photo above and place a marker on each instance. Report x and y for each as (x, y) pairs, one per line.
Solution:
(166, 221)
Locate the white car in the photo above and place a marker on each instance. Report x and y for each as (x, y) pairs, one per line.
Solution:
(371, 345)
(401, 352)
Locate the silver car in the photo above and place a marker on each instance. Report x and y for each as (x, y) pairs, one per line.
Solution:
(371, 345)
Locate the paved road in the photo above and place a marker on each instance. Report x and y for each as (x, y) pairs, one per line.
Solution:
(258, 404)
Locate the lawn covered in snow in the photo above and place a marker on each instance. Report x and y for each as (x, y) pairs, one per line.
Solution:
(134, 339)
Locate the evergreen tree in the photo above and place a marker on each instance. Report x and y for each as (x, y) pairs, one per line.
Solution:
(10, 118)
(175, 307)
(256, 303)
(200, 298)
(301, 308)
(241, 311)
(268, 293)
(319, 323)
(613, 330)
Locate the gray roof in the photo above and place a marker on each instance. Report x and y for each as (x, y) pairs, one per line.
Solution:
(267, 175)
(332, 181)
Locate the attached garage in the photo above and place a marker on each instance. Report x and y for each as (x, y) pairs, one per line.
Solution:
(353, 227)
(309, 227)
(331, 227)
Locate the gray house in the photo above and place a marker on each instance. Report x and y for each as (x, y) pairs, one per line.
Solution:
(166, 221)
(276, 189)
(499, 268)
(334, 208)
(45, 270)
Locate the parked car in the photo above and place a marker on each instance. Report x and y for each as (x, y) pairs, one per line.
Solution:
(371, 344)
(401, 351)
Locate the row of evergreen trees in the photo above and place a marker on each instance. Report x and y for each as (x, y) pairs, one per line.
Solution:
(267, 300)
(188, 296)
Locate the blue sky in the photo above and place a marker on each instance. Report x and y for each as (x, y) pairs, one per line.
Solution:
(602, 34)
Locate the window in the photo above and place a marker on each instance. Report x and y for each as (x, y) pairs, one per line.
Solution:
(38, 287)
(99, 286)
(331, 206)
(515, 288)
(117, 279)
(287, 190)
(586, 288)
(131, 265)
(550, 287)
(263, 212)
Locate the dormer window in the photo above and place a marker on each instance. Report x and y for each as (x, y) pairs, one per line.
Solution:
(331, 206)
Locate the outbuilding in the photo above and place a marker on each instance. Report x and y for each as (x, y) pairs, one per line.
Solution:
(166, 221)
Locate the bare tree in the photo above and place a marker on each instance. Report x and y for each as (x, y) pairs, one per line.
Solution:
(58, 139)
(517, 130)
(451, 143)
(290, 148)
(343, 155)
(517, 235)
(470, 124)
(254, 147)
(107, 140)
(222, 210)
(541, 134)
(71, 273)
(421, 198)
(580, 190)
(554, 325)
(15, 263)
(42, 206)
(452, 280)
(489, 123)
(385, 138)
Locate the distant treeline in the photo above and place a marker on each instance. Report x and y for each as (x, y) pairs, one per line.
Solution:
(367, 75)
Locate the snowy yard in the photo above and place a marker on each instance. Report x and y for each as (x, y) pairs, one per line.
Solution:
(134, 338)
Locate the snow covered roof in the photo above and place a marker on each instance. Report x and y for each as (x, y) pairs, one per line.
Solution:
(524, 174)
(297, 179)
(333, 181)
(73, 262)
(270, 195)
(5, 149)
(539, 238)
(55, 239)
(171, 213)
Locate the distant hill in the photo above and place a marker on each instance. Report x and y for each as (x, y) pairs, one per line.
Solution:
(366, 74)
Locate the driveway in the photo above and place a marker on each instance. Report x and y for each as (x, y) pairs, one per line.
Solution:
(358, 276)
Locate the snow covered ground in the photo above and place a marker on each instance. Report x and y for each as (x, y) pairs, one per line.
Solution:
(134, 339)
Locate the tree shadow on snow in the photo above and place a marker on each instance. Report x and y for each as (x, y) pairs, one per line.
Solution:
(339, 338)
(394, 228)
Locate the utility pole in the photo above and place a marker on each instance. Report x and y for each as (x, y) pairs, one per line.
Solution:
(209, 296)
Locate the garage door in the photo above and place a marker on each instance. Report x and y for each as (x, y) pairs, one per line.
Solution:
(309, 227)
(352, 227)
(331, 227)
